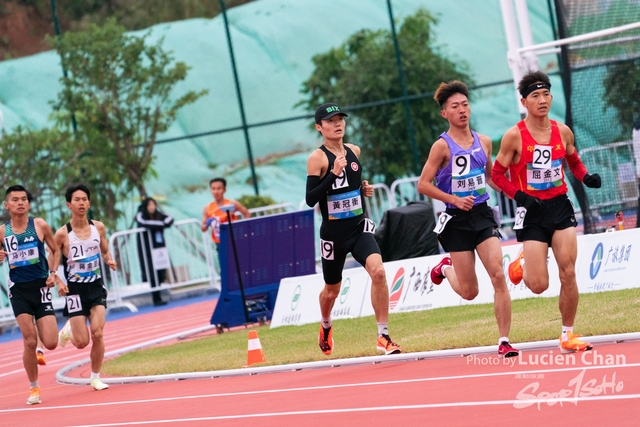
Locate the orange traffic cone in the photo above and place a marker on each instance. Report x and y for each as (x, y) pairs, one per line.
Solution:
(255, 354)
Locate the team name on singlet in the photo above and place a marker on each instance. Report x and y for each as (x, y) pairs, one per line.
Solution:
(83, 264)
(544, 173)
(344, 205)
(466, 181)
(21, 250)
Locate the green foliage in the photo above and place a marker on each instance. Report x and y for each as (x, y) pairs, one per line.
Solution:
(49, 160)
(622, 92)
(250, 202)
(31, 157)
(118, 88)
(364, 70)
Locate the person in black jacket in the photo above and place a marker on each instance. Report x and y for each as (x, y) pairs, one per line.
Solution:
(155, 222)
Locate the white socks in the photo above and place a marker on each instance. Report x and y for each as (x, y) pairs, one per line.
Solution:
(326, 322)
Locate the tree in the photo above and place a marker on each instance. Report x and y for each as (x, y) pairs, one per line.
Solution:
(622, 92)
(119, 90)
(363, 70)
(46, 162)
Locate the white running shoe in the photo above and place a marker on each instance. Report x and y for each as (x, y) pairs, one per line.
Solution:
(65, 334)
(97, 384)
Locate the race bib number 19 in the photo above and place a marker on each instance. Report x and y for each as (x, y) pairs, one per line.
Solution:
(326, 249)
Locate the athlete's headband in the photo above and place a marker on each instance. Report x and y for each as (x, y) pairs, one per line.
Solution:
(535, 87)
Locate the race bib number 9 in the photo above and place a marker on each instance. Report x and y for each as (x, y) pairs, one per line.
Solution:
(464, 180)
(443, 219)
(461, 165)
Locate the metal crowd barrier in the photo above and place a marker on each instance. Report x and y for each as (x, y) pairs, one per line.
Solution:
(191, 261)
(6, 313)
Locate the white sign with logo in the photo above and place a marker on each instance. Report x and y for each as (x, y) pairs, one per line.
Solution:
(297, 302)
(609, 261)
(606, 261)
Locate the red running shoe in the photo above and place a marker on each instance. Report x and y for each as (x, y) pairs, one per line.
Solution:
(436, 272)
(505, 350)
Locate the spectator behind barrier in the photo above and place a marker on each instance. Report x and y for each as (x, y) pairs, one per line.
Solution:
(155, 221)
(215, 213)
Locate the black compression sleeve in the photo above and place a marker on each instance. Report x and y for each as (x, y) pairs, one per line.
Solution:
(316, 191)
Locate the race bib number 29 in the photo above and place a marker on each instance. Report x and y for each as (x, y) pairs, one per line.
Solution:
(521, 212)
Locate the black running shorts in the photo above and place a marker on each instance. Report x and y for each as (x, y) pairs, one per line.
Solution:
(554, 214)
(32, 298)
(467, 229)
(337, 241)
(83, 296)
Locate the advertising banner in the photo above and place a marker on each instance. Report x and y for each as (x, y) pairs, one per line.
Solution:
(606, 261)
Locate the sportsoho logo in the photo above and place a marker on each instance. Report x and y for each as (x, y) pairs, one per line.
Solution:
(596, 261)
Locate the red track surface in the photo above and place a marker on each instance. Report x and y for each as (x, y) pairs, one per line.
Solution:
(462, 391)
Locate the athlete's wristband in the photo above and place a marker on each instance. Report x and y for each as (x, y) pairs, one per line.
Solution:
(53, 272)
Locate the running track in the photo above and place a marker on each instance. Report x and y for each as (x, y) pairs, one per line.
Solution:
(453, 391)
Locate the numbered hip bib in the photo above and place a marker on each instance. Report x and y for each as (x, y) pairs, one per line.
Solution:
(443, 219)
(326, 249)
(73, 303)
(521, 212)
(45, 295)
(369, 226)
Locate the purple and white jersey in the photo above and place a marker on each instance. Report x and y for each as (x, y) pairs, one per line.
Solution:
(465, 174)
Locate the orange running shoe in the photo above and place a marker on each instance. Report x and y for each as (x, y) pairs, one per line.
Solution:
(387, 346)
(34, 396)
(325, 340)
(515, 269)
(40, 357)
(573, 344)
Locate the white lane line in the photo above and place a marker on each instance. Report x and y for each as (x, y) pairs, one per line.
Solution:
(371, 409)
(321, 387)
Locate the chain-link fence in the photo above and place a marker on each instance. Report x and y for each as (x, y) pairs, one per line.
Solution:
(601, 81)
